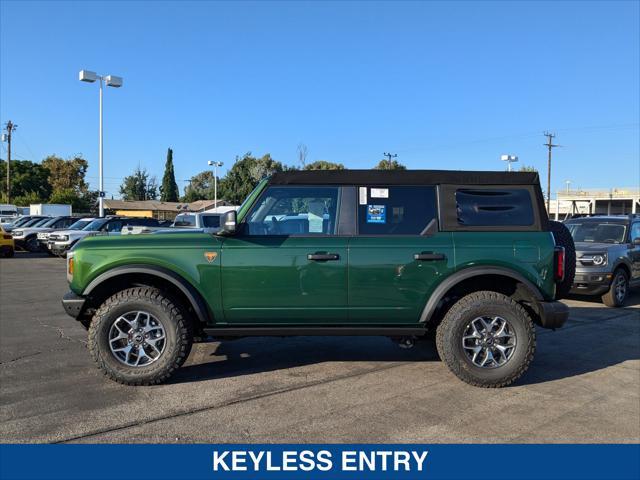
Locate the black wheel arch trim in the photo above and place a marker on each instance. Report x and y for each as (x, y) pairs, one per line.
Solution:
(471, 272)
(195, 299)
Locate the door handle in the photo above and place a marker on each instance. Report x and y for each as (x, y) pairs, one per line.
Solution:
(323, 257)
(429, 256)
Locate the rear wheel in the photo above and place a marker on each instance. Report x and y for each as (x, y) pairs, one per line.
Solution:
(486, 339)
(139, 337)
(563, 238)
(618, 291)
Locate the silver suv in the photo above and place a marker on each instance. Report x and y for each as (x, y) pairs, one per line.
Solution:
(607, 256)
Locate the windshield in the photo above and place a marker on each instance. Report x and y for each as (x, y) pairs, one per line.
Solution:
(79, 225)
(35, 222)
(21, 221)
(183, 220)
(49, 222)
(95, 225)
(597, 232)
(211, 221)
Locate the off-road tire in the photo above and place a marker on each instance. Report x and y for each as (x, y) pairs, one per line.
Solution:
(609, 298)
(450, 332)
(563, 238)
(178, 333)
(31, 244)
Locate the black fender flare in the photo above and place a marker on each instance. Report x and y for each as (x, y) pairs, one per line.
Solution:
(195, 299)
(470, 272)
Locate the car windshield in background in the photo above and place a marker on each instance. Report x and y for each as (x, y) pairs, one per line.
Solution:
(50, 222)
(36, 222)
(185, 221)
(21, 221)
(79, 225)
(597, 232)
(211, 221)
(96, 224)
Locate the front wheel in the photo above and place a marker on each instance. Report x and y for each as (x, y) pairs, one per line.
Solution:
(487, 339)
(139, 337)
(618, 291)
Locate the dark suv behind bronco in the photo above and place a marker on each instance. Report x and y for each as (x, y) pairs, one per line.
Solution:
(469, 257)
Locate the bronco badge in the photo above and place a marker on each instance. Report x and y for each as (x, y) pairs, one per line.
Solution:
(210, 256)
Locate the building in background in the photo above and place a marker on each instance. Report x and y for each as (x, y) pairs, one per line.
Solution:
(156, 208)
(617, 201)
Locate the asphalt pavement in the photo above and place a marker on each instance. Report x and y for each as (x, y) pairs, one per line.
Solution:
(583, 386)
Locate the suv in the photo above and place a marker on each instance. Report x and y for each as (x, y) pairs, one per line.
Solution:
(467, 256)
(60, 242)
(27, 237)
(607, 255)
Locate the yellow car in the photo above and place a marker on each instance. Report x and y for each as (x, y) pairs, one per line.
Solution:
(6, 243)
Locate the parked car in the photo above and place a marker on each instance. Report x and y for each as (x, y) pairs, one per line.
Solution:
(21, 221)
(607, 256)
(60, 242)
(79, 224)
(198, 220)
(467, 256)
(7, 247)
(27, 237)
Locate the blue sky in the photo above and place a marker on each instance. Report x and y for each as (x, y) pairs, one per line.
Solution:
(445, 85)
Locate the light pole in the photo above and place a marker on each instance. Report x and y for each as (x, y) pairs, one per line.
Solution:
(111, 81)
(215, 181)
(509, 159)
(568, 182)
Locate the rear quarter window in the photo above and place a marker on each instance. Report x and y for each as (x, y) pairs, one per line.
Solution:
(494, 207)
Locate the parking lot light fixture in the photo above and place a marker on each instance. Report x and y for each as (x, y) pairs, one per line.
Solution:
(215, 181)
(509, 159)
(111, 81)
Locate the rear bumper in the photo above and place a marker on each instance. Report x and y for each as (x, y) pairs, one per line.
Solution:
(553, 314)
(73, 304)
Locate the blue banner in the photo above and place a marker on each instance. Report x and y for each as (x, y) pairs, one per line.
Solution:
(295, 461)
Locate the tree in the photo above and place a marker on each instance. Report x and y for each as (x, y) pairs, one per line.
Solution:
(26, 199)
(245, 174)
(324, 165)
(28, 179)
(389, 165)
(200, 187)
(85, 202)
(67, 174)
(527, 168)
(169, 188)
(139, 186)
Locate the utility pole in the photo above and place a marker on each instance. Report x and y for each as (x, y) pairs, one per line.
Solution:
(10, 127)
(390, 156)
(549, 145)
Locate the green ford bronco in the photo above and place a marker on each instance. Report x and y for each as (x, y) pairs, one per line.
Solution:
(466, 257)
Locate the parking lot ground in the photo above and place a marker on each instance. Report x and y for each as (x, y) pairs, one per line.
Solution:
(583, 386)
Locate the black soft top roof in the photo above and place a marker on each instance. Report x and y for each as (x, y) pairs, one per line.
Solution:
(403, 177)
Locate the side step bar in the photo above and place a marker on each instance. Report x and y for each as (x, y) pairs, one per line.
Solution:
(313, 331)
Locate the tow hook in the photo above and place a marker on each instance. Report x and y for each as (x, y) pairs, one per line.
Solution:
(405, 342)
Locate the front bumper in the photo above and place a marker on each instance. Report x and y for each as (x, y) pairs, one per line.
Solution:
(73, 304)
(58, 248)
(591, 283)
(553, 314)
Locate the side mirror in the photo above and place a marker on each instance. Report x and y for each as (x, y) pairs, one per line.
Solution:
(229, 222)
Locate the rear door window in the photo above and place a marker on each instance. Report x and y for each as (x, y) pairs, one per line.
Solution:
(395, 210)
(494, 207)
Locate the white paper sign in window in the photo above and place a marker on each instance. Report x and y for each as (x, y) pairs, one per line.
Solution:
(379, 193)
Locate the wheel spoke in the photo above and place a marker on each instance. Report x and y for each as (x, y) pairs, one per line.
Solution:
(137, 338)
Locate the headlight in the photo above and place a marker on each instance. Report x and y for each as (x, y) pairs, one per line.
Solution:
(63, 238)
(596, 259)
(600, 259)
(17, 233)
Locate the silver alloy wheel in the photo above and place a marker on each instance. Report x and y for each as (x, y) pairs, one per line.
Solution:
(137, 339)
(620, 287)
(489, 341)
